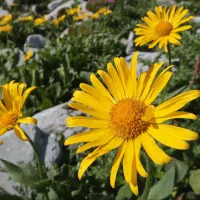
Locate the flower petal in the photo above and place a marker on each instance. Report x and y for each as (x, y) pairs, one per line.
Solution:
(20, 133)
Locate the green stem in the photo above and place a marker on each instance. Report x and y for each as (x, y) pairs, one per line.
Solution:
(148, 183)
(169, 54)
(170, 62)
(36, 153)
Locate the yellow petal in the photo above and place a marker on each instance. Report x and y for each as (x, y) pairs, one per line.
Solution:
(133, 69)
(115, 78)
(140, 168)
(152, 149)
(182, 28)
(116, 163)
(112, 87)
(27, 120)
(114, 143)
(174, 115)
(178, 132)
(103, 140)
(86, 136)
(176, 103)
(96, 94)
(88, 110)
(89, 122)
(161, 136)
(149, 113)
(3, 131)
(20, 133)
(128, 161)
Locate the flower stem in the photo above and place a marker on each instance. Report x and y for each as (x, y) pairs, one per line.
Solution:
(148, 183)
(37, 157)
(170, 62)
(169, 54)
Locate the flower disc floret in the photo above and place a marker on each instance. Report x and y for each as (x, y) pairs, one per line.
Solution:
(126, 118)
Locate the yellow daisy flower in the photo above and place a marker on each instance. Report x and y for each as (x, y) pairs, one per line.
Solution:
(40, 21)
(11, 109)
(24, 19)
(6, 19)
(104, 11)
(162, 27)
(6, 28)
(122, 116)
(28, 55)
(59, 20)
(74, 11)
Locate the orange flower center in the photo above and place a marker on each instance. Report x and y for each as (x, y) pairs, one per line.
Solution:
(163, 28)
(8, 119)
(126, 118)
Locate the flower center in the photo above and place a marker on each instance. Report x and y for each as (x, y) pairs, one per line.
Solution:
(126, 118)
(163, 28)
(8, 119)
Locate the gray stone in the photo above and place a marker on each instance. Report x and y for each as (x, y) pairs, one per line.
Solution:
(3, 12)
(196, 19)
(35, 41)
(10, 2)
(198, 31)
(54, 13)
(130, 45)
(51, 122)
(54, 4)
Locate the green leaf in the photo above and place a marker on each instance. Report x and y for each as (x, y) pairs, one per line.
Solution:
(124, 193)
(164, 187)
(52, 195)
(17, 173)
(194, 181)
(97, 196)
(181, 168)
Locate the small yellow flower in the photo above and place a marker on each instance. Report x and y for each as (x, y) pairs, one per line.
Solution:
(59, 20)
(162, 27)
(40, 21)
(11, 108)
(24, 19)
(74, 11)
(104, 11)
(122, 116)
(28, 55)
(94, 16)
(6, 28)
(79, 18)
(6, 19)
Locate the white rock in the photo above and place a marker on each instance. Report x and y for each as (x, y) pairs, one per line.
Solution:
(34, 42)
(51, 122)
(196, 19)
(3, 12)
(166, 2)
(54, 13)
(54, 4)
(198, 31)
(10, 2)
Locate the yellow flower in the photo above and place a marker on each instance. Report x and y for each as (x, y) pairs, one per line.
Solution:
(104, 11)
(122, 116)
(6, 19)
(11, 108)
(59, 20)
(40, 21)
(74, 11)
(79, 17)
(24, 19)
(6, 28)
(162, 27)
(28, 55)
(94, 16)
